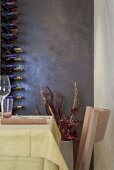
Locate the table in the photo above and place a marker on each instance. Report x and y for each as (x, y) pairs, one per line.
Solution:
(31, 147)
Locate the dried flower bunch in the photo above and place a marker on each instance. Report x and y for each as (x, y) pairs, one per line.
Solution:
(67, 123)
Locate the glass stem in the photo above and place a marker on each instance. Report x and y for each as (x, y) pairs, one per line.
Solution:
(2, 110)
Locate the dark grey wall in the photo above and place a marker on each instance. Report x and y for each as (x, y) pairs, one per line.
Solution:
(57, 37)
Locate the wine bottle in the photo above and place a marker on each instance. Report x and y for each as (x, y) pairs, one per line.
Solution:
(14, 59)
(18, 107)
(11, 58)
(11, 48)
(13, 77)
(9, 16)
(9, 26)
(4, 3)
(8, 19)
(15, 97)
(8, 3)
(7, 9)
(10, 31)
(9, 55)
(8, 37)
(10, 0)
(12, 28)
(11, 68)
(16, 87)
(8, 6)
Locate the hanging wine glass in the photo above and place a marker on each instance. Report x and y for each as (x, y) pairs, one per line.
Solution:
(5, 89)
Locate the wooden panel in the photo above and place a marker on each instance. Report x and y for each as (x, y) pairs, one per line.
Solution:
(94, 119)
(75, 150)
(102, 124)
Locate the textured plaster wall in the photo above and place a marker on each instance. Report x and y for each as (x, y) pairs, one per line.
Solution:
(57, 39)
(104, 78)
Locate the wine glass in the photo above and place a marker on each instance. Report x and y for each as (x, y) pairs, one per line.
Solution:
(5, 89)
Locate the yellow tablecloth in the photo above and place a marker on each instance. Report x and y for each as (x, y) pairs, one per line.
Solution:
(31, 147)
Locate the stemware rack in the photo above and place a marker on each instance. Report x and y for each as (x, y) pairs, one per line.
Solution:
(11, 62)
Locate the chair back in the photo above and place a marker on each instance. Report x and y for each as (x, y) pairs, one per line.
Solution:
(94, 127)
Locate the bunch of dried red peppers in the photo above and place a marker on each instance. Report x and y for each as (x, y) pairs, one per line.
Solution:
(67, 123)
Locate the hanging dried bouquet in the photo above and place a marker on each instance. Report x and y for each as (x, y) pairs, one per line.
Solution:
(67, 123)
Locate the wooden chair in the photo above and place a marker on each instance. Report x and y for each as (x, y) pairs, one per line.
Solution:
(94, 127)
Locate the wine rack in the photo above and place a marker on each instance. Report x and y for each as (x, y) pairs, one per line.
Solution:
(11, 60)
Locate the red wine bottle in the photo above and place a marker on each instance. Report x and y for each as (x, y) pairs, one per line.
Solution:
(9, 19)
(9, 55)
(9, 37)
(12, 28)
(8, 3)
(11, 48)
(11, 68)
(15, 10)
(8, 6)
(13, 59)
(9, 0)
(9, 26)
(7, 9)
(14, 77)
(10, 31)
(9, 16)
